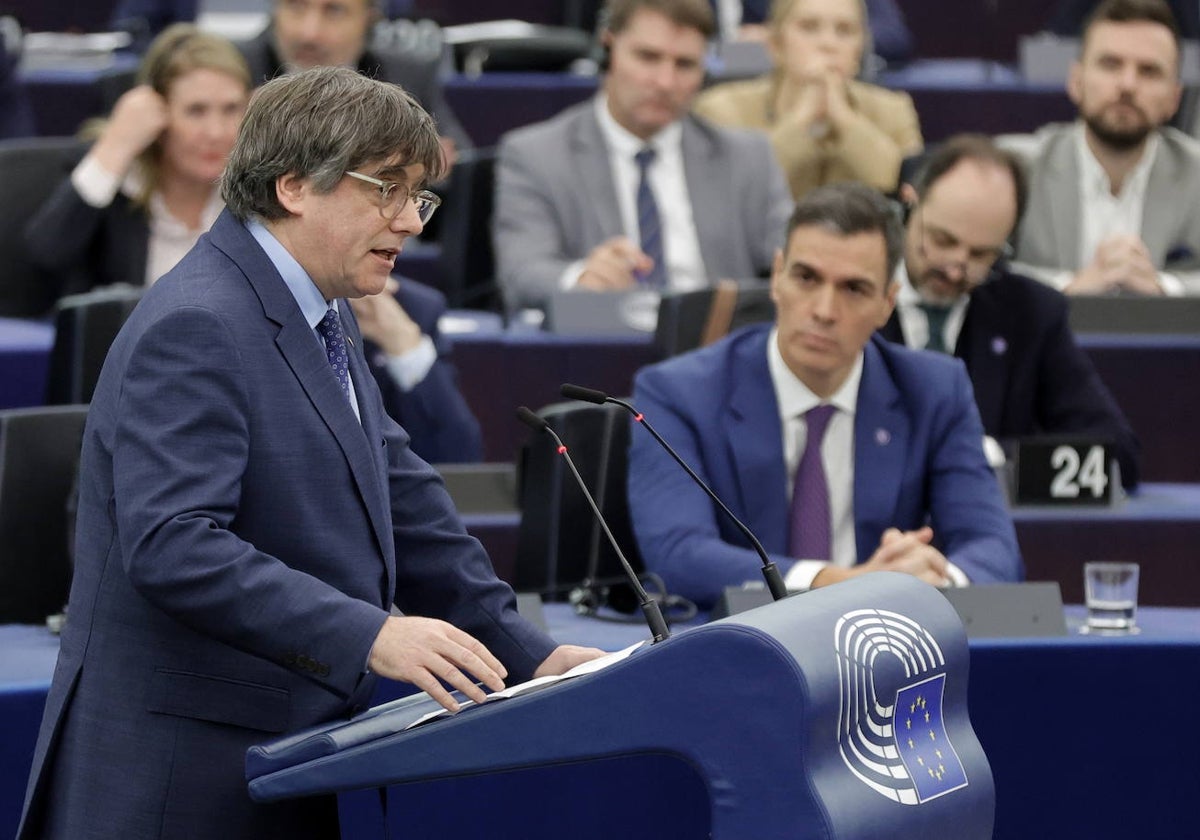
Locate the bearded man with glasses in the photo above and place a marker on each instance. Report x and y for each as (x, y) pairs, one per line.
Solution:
(958, 295)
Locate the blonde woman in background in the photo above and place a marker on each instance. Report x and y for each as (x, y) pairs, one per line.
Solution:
(147, 188)
(824, 124)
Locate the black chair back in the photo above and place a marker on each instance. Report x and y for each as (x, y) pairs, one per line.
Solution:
(687, 320)
(39, 456)
(560, 545)
(30, 169)
(466, 264)
(85, 326)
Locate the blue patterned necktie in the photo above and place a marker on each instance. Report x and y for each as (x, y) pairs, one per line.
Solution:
(936, 316)
(649, 222)
(330, 329)
(810, 537)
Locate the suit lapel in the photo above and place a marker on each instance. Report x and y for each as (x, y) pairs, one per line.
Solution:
(591, 162)
(983, 345)
(709, 191)
(881, 438)
(1160, 212)
(755, 442)
(302, 351)
(1061, 184)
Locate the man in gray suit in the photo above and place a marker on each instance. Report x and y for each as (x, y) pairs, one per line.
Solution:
(629, 189)
(1111, 206)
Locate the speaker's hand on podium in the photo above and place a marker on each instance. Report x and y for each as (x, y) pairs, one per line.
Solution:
(423, 651)
(565, 657)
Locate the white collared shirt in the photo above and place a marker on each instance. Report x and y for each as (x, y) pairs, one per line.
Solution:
(681, 243)
(1102, 214)
(915, 322)
(837, 456)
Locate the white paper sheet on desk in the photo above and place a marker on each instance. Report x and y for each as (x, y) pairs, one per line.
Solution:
(588, 667)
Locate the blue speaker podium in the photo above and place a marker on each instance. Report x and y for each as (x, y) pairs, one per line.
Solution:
(839, 713)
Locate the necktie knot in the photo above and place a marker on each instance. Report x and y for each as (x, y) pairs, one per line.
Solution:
(818, 419)
(936, 315)
(645, 157)
(330, 330)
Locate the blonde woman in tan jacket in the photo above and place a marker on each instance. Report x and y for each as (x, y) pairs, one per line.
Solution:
(824, 124)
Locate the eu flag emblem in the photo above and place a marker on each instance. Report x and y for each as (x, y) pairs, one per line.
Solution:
(920, 734)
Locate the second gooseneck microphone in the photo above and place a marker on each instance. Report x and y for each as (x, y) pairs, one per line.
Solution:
(650, 608)
(770, 571)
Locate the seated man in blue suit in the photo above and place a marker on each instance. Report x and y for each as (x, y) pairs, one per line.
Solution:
(248, 514)
(407, 354)
(1012, 333)
(842, 452)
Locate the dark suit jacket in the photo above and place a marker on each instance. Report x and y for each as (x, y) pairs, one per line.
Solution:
(435, 414)
(416, 74)
(83, 247)
(918, 458)
(1029, 375)
(241, 536)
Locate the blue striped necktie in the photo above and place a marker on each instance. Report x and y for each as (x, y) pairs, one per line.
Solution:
(650, 230)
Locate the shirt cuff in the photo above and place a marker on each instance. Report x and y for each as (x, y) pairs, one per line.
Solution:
(95, 184)
(799, 578)
(570, 276)
(1171, 285)
(410, 369)
(958, 578)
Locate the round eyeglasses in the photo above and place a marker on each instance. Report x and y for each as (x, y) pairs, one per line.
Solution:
(394, 197)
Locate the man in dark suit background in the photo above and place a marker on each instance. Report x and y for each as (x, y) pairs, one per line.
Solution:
(247, 512)
(957, 296)
(842, 452)
(407, 355)
(336, 33)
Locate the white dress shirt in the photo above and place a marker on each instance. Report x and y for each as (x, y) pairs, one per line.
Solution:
(681, 243)
(795, 399)
(1102, 214)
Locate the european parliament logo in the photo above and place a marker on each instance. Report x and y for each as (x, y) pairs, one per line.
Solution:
(890, 729)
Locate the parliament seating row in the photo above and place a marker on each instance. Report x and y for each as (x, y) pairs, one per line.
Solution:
(951, 95)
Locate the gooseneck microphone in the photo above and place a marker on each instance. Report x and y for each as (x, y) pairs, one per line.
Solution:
(770, 571)
(650, 608)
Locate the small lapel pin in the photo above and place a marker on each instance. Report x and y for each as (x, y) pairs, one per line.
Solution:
(883, 437)
(999, 346)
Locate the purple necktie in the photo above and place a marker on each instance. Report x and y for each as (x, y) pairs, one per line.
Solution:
(810, 534)
(330, 329)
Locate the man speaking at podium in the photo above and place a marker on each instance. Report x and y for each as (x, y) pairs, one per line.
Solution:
(247, 511)
(842, 452)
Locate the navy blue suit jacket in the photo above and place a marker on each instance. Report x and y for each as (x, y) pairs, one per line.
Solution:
(1029, 375)
(434, 413)
(241, 536)
(918, 459)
